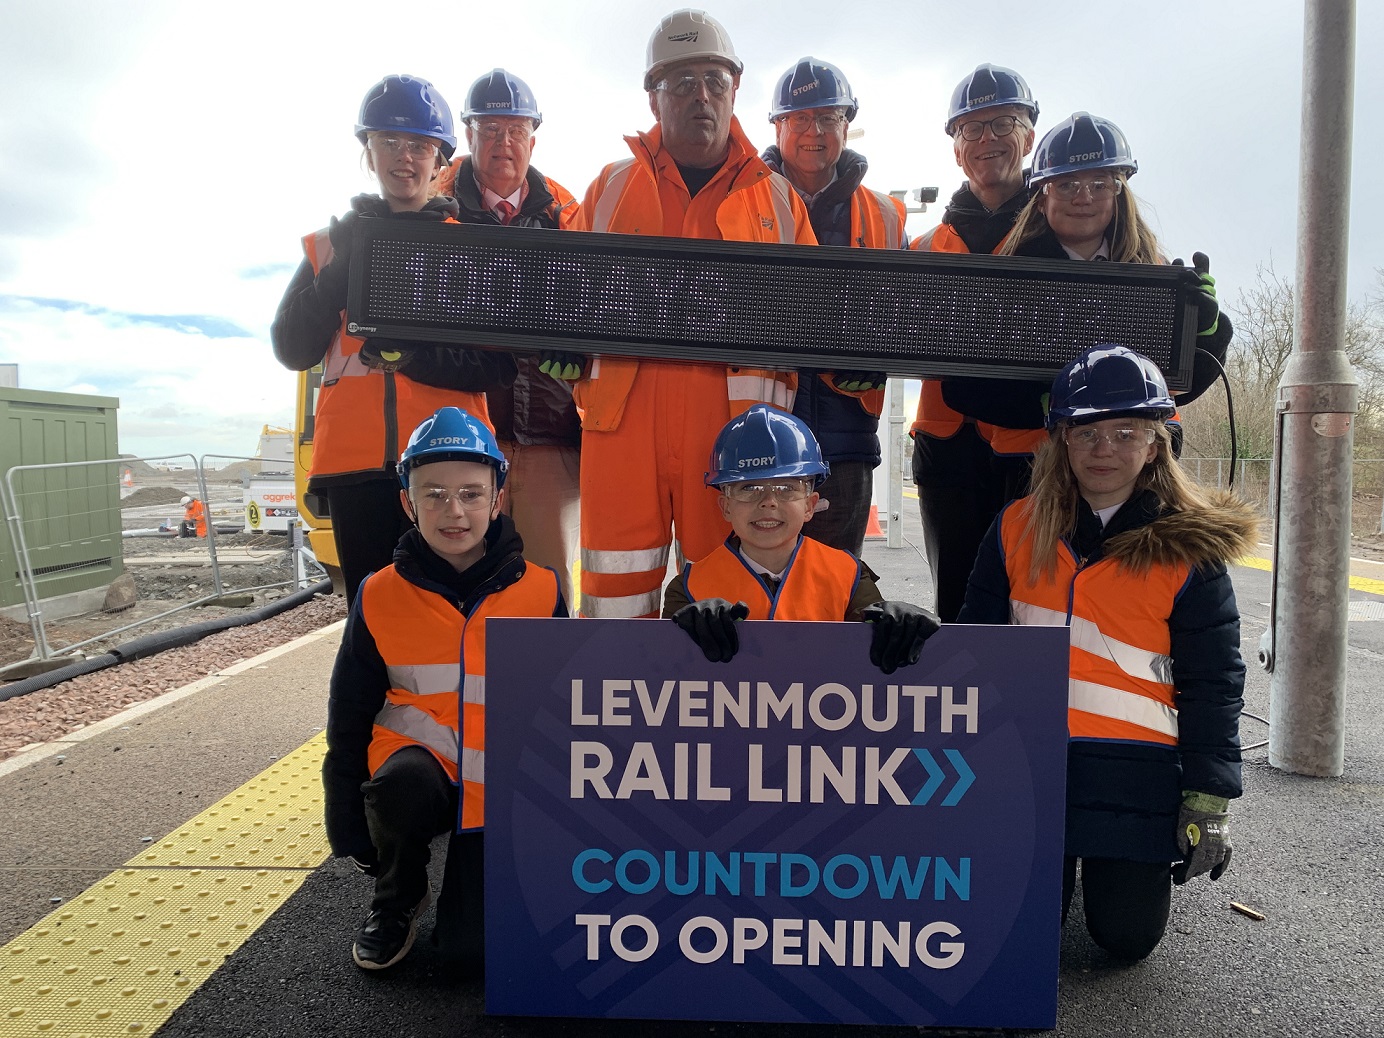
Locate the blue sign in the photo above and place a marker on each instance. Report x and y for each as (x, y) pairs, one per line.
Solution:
(790, 837)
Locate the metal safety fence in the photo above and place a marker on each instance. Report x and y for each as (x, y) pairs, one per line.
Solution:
(95, 549)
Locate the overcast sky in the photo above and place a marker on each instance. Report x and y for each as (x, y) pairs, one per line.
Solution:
(164, 159)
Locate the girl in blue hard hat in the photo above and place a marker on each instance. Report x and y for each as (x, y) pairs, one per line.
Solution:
(1081, 208)
(1116, 543)
(374, 390)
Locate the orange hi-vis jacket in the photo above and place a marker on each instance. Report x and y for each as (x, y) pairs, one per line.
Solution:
(645, 194)
(435, 700)
(817, 585)
(364, 415)
(196, 513)
(934, 417)
(1120, 685)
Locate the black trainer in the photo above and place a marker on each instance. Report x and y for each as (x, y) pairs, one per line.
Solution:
(387, 935)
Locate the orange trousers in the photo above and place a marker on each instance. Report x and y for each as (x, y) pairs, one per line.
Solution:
(643, 481)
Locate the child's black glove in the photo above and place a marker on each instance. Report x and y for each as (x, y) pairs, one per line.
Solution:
(900, 630)
(711, 623)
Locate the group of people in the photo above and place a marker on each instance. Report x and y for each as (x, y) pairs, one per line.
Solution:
(515, 460)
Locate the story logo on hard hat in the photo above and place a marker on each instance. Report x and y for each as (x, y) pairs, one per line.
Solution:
(1086, 156)
(806, 87)
(438, 441)
(986, 99)
(755, 463)
(685, 37)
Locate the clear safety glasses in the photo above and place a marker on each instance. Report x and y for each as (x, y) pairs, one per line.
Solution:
(494, 130)
(753, 493)
(717, 81)
(826, 121)
(1124, 440)
(437, 499)
(1099, 188)
(414, 147)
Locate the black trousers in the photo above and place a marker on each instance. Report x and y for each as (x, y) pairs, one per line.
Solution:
(1126, 902)
(409, 803)
(962, 485)
(848, 488)
(367, 522)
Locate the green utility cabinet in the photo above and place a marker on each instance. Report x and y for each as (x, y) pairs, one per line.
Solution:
(70, 515)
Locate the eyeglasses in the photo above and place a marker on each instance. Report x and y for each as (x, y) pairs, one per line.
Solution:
(492, 130)
(717, 81)
(415, 147)
(436, 499)
(1125, 439)
(1099, 189)
(801, 122)
(753, 493)
(1000, 126)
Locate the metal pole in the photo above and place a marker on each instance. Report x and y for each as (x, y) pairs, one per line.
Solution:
(893, 534)
(1317, 401)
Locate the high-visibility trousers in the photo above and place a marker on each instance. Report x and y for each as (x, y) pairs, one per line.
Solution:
(643, 481)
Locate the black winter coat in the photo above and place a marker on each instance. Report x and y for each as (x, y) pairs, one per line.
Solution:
(844, 429)
(1123, 797)
(537, 409)
(359, 680)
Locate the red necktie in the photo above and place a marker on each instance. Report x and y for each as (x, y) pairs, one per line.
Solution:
(506, 211)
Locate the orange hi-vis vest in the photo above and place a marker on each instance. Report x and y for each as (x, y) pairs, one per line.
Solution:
(934, 417)
(1120, 684)
(436, 700)
(364, 415)
(817, 585)
(645, 194)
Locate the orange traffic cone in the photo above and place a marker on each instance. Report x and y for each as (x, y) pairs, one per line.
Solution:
(872, 526)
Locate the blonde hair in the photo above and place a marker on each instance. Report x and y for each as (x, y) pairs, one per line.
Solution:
(1131, 239)
(1053, 502)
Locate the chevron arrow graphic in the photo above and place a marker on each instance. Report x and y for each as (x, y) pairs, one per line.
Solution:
(965, 776)
(935, 776)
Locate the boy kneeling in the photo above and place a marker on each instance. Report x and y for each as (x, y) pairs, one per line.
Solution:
(406, 719)
(767, 465)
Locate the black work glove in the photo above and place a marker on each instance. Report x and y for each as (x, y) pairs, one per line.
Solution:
(1203, 836)
(854, 381)
(711, 623)
(385, 355)
(342, 233)
(562, 365)
(1208, 309)
(901, 628)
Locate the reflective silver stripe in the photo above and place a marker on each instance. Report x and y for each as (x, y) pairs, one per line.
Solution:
(611, 193)
(624, 608)
(782, 193)
(426, 679)
(893, 230)
(472, 765)
(594, 371)
(1122, 706)
(473, 689)
(1087, 636)
(412, 723)
(762, 388)
(646, 560)
(924, 242)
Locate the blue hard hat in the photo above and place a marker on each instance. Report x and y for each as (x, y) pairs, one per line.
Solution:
(407, 104)
(765, 443)
(501, 93)
(813, 84)
(1082, 142)
(451, 434)
(986, 87)
(1109, 381)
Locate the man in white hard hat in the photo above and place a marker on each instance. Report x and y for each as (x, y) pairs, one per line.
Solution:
(648, 426)
(194, 522)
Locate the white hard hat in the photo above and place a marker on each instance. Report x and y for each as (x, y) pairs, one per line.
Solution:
(688, 35)
(185, 501)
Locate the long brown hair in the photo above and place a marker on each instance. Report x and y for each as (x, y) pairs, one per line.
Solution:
(1131, 239)
(1052, 504)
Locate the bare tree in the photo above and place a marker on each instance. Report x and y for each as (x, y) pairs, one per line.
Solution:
(1259, 354)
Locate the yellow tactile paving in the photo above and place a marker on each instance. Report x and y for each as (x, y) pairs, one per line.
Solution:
(1365, 584)
(119, 958)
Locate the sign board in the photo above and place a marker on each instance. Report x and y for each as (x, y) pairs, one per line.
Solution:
(790, 837)
(270, 504)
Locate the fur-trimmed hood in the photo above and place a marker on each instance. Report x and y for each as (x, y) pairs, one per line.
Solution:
(1219, 533)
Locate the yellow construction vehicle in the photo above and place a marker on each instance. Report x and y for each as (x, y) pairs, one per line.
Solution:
(312, 508)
